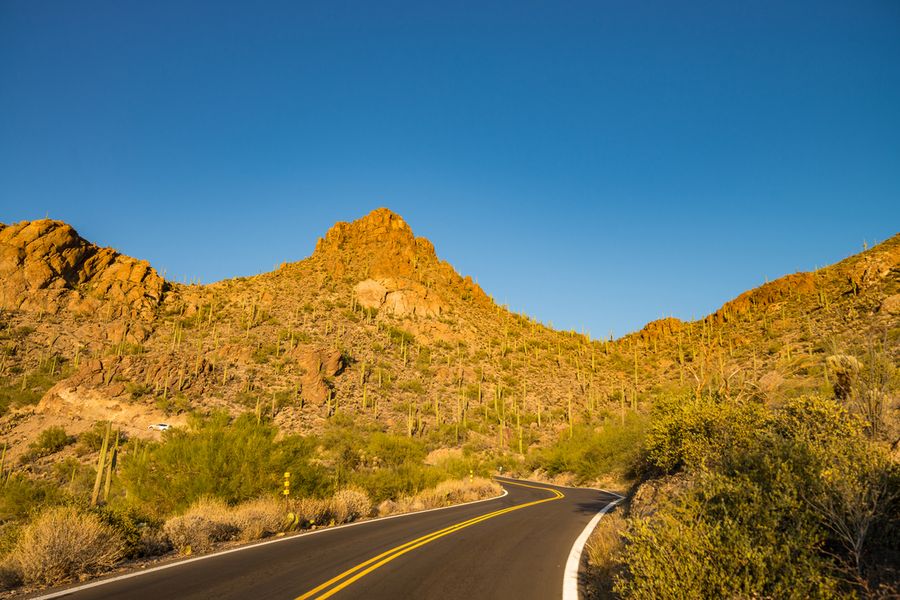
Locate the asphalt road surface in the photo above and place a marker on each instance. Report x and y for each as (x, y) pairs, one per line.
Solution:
(511, 547)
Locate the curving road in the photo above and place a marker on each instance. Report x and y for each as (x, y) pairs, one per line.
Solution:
(515, 546)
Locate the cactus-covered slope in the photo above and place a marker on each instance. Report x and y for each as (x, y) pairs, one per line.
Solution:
(375, 325)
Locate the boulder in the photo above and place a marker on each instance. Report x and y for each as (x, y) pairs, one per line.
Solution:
(891, 305)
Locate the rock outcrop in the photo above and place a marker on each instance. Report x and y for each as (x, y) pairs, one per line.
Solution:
(317, 365)
(400, 297)
(891, 305)
(661, 328)
(45, 266)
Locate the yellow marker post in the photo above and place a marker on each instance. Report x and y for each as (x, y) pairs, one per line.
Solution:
(287, 484)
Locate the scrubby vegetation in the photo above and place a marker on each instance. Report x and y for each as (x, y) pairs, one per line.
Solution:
(589, 452)
(49, 441)
(787, 501)
(231, 459)
(217, 480)
(64, 542)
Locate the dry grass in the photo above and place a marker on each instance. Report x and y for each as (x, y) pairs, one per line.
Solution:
(604, 549)
(310, 512)
(446, 493)
(153, 542)
(258, 518)
(349, 504)
(206, 522)
(458, 491)
(64, 543)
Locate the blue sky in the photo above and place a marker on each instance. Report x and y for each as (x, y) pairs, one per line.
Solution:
(595, 164)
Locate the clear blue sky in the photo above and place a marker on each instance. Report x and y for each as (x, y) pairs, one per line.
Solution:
(597, 164)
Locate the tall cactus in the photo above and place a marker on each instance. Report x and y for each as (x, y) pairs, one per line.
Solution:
(101, 461)
(109, 468)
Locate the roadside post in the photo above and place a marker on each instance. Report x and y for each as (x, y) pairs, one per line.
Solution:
(292, 519)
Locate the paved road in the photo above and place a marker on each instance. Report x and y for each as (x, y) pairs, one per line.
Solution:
(510, 547)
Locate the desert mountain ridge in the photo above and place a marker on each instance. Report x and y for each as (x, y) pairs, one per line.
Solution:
(373, 324)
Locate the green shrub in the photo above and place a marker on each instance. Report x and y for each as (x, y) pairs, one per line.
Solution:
(591, 452)
(414, 386)
(689, 432)
(90, 440)
(137, 530)
(13, 395)
(786, 503)
(49, 441)
(232, 460)
(21, 495)
(728, 539)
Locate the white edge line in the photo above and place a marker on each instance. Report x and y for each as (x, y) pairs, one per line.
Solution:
(570, 575)
(286, 538)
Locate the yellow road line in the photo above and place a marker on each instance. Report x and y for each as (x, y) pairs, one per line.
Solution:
(345, 578)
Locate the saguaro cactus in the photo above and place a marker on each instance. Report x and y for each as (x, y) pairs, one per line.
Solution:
(101, 461)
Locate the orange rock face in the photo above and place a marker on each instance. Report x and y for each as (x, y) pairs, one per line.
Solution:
(400, 297)
(46, 266)
(317, 365)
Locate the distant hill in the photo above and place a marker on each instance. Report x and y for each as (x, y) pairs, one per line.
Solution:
(375, 325)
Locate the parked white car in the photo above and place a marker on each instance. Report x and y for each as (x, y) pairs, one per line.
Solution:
(160, 426)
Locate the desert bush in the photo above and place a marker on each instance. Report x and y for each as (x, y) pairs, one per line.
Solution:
(389, 507)
(153, 541)
(311, 512)
(12, 395)
(141, 533)
(233, 460)
(386, 466)
(728, 538)
(613, 448)
(90, 440)
(22, 495)
(689, 432)
(349, 504)
(784, 503)
(872, 393)
(49, 441)
(258, 518)
(62, 543)
(450, 492)
(206, 522)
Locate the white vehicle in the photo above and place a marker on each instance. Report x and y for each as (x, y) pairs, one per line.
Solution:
(160, 426)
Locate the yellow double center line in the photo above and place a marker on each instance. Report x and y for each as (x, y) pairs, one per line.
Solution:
(362, 569)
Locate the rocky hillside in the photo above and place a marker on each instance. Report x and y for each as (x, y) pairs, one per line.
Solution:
(375, 325)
